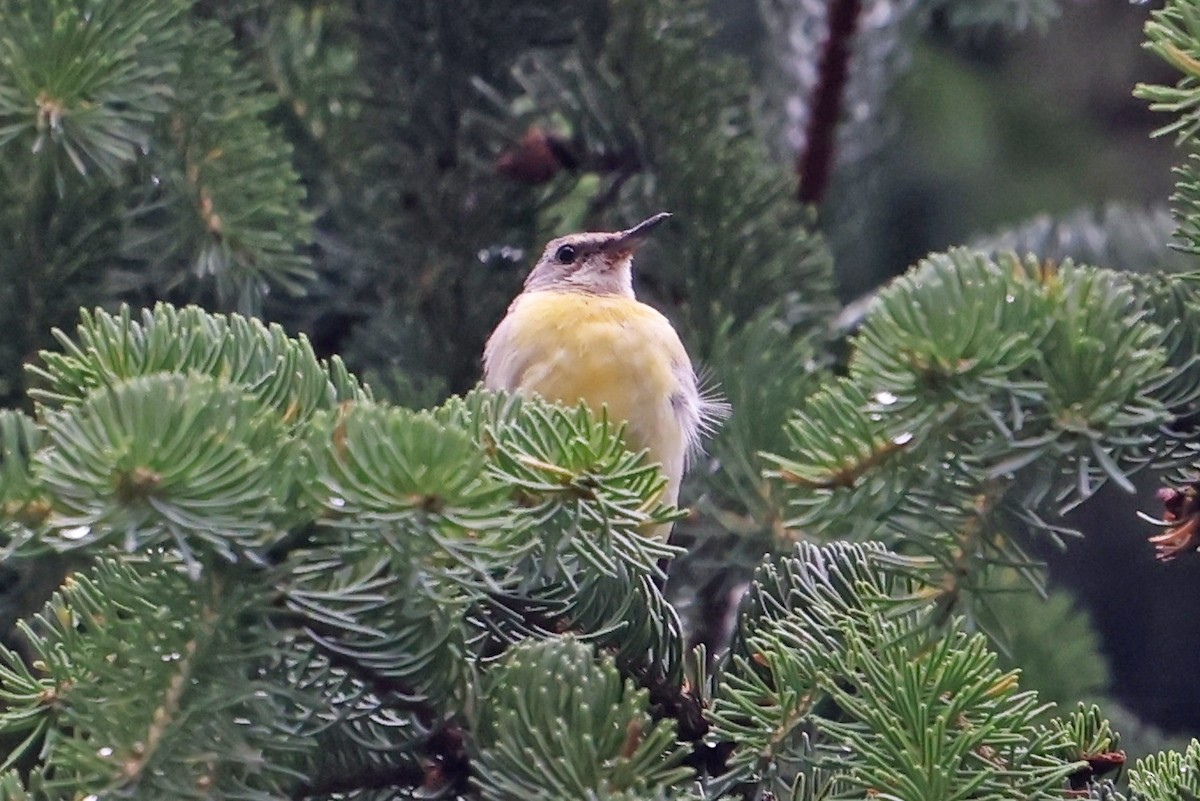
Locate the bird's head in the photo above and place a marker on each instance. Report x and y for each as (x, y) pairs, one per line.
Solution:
(598, 263)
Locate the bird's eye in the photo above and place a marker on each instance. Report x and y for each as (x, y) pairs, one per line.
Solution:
(565, 254)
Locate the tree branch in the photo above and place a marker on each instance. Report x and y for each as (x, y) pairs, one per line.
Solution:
(815, 163)
(443, 756)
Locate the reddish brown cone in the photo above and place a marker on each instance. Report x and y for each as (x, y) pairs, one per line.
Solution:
(535, 160)
(1181, 509)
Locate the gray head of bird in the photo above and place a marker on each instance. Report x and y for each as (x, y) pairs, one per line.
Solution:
(597, 263)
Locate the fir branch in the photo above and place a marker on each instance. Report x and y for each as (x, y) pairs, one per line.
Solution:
(606, 742)
(846, 475)
(1090, 739)
(225, 203)
(967, 560)
(1171, 35)
(671, 698)
(21, 499)
(82, 86)
(138, 697)
(835, 666)
(57, 242)
(282, 372)
(1015, 381)
(150, 462)
(767, 365)
(1167, 776)
(167, 712)
(311, 64)
(360, 731)
(941, 722)
(815, 163)
(392, 691)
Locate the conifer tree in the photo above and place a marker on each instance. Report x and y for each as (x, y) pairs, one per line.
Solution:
(282, 577)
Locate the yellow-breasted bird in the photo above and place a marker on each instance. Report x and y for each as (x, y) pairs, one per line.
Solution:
(577, 332)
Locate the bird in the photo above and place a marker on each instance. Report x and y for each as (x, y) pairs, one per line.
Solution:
(577, 332)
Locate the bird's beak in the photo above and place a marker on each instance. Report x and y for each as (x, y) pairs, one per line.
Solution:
(632, 238)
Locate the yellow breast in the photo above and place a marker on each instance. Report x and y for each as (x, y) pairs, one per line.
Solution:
(605, 350)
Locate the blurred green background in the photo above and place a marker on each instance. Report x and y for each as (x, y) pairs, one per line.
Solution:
(988, 128)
